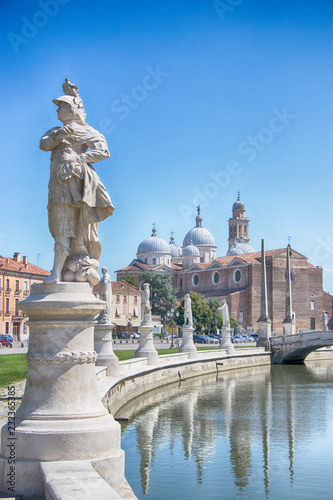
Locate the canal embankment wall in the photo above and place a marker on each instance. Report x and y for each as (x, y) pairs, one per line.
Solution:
(136, 376)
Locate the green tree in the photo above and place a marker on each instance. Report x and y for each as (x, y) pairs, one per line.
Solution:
(214, 305)
(162, 295)
(129, 278)
(200, 311)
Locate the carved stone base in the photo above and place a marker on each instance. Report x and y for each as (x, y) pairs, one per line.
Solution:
(61, 416)
(226, 342)
(264, 334)
(289, 328)
(187, 344)
(146, 347)
(104, 349)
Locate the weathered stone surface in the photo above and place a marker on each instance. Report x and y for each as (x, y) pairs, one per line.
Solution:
(61, 416)
(69, 480)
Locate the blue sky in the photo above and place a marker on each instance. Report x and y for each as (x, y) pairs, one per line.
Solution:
(196, 99)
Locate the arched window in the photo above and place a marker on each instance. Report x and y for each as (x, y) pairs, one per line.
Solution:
(237, 276)
(195, 280)
(215, 278)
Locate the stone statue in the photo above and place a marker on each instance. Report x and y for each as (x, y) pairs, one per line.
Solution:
(188, 320)
(78, 200)
(145, 305)
(225, 315)
(105, 293)
(325, 321)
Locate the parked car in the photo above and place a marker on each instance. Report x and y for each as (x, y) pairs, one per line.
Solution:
(212, 339)
(248, 338)
(135, 335)
(235, 339)
(5, 342)
(200, 339)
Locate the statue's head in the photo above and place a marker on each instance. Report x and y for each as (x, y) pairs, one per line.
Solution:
(70, 104)
(104, 270)
(69, 108)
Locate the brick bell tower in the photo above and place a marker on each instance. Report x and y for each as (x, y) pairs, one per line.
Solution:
(238, 224)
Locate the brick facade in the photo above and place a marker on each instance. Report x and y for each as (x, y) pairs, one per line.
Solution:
(237, 278)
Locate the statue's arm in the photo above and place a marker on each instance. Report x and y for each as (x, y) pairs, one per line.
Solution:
(49, 140)
(98, 151)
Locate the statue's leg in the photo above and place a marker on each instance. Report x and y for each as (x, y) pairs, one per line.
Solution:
(61, 252)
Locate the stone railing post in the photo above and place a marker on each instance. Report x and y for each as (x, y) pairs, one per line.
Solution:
(146, 347)
(187, 345)
(226, 342)
(104, 349)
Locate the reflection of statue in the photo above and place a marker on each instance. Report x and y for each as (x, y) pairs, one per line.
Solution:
(225, 315)
(105, 293)
(145, 305)
(77, 198)
(188, 320)
(325, 321)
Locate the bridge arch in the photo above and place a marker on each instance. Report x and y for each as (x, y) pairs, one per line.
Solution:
(295, 348)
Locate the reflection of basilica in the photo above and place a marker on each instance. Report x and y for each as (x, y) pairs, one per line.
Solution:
(241, 414)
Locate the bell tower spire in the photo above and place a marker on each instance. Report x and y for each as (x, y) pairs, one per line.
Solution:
(238, 224)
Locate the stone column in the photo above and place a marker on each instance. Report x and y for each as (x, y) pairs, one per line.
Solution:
(264, 322)
(61, 416)
(104, 349)
(225, 341)
(187, 345)
(289, 327)
(146, 347)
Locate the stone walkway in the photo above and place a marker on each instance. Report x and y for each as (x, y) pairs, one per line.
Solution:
(19, 390)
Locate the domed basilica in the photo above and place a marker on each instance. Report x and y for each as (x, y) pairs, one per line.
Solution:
(237, 276)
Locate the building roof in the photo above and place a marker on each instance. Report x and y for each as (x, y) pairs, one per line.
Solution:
(19, 265)
(123, 286)
(120, 287)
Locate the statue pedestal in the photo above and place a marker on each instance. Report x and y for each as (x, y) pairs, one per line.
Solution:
(226, 342)
(104, 349)
(187, 344)
(289, 328)
(264, 334)
(146, 347)
(61, 417)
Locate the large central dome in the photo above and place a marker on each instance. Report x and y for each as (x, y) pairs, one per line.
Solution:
(199, 235)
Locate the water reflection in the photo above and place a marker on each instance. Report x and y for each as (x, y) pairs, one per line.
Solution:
(244, 425)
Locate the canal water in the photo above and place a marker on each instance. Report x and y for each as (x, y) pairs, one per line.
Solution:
(259, 433)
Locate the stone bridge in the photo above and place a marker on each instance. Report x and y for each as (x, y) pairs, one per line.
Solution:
(295, 348)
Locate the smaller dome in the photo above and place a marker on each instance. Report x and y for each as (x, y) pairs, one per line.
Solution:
(191, 250)
(176, 250)
(240, 248)
(238, 205)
